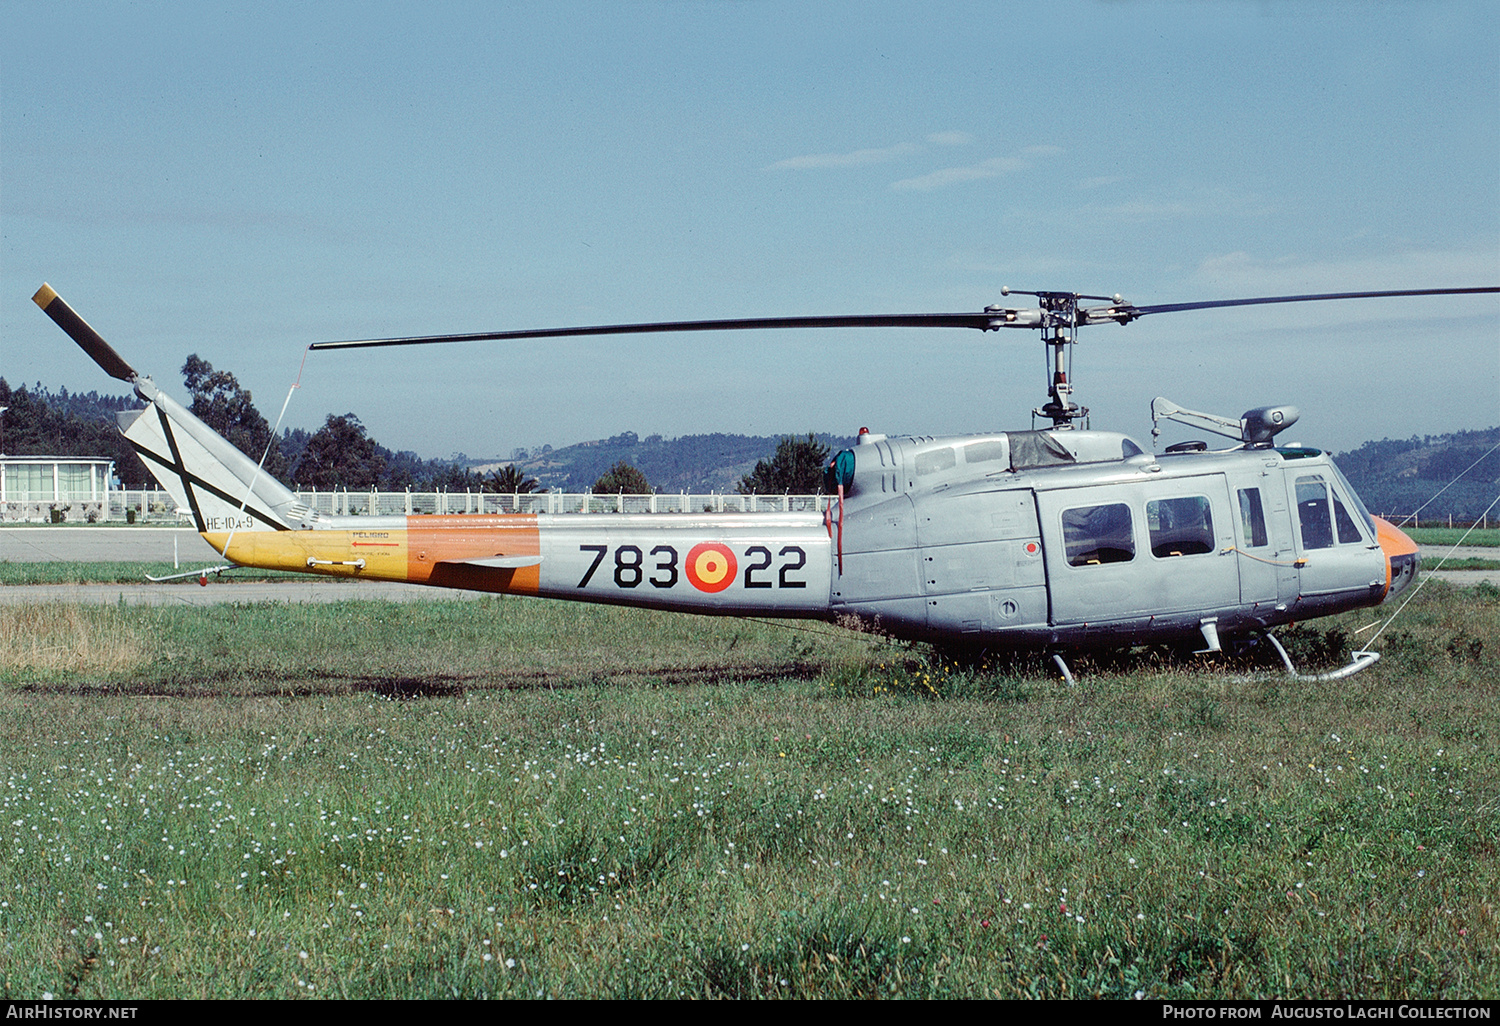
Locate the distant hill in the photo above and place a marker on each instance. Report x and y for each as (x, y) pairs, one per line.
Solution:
(692, 463)
(1400, 476)
(1391, 476)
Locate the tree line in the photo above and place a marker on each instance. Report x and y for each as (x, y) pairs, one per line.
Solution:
(39, 422)
(341, 454)
(1391, 475)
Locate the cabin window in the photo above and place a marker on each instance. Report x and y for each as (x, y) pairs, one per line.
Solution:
(981, 452)
(1252, 517)
(1180, 527)
(935, 460)
(1098, 534)
(1313, 513)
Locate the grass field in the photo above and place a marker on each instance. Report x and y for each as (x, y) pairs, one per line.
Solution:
(521, 798)
(1438, 536)
(109, 572)
(1463, 564)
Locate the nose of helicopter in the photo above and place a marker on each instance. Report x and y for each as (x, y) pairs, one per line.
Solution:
(1402, 559)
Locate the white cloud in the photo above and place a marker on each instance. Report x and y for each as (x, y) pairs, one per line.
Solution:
(1179, 204)
(854, 159)
(1244, 274)
(991, 168)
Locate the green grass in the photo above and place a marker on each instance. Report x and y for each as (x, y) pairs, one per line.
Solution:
(1438, 536)
(125, 573)
(1462, 564)
(521, 798)
(433, 647)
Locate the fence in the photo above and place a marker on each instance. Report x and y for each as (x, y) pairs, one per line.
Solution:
(1412, 520)
(153, 505)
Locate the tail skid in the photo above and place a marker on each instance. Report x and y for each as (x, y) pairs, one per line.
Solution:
(202, 575)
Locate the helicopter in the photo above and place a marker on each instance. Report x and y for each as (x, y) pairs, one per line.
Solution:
(1057, 540)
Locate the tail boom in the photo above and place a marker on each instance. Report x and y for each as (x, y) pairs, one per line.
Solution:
(767, 564)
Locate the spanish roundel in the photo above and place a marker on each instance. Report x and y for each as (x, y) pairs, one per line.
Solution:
(710, 566)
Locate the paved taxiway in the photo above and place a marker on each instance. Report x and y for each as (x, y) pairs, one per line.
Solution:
(49, 543)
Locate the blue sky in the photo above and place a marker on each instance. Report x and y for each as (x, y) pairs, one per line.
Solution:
(240, 182)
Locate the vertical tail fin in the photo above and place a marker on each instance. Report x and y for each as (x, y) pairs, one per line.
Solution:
(222, 486)
(205, 473)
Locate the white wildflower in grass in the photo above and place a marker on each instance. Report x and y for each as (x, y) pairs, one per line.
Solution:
(587, 797)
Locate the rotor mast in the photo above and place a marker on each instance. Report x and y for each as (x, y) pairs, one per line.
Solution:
(1059, 330)
(1059, 319)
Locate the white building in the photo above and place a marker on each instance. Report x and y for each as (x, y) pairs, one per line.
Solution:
(55, 488)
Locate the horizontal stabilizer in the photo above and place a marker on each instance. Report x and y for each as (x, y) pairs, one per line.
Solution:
(498, 562)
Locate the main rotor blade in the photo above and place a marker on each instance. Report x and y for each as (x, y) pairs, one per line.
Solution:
(984, 321)
(1141, 311)
(79, 331)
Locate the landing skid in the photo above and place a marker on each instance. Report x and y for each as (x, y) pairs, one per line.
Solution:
(1360, 661)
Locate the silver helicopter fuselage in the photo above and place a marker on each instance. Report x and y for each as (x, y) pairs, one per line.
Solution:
(1083, 539)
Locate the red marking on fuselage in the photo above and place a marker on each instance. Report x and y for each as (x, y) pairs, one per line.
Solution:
(437, 545)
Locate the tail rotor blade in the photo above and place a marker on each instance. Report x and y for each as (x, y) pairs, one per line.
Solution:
(79, 331)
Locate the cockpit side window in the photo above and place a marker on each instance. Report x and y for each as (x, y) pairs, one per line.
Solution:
(1342, 488)
(1348, 532)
